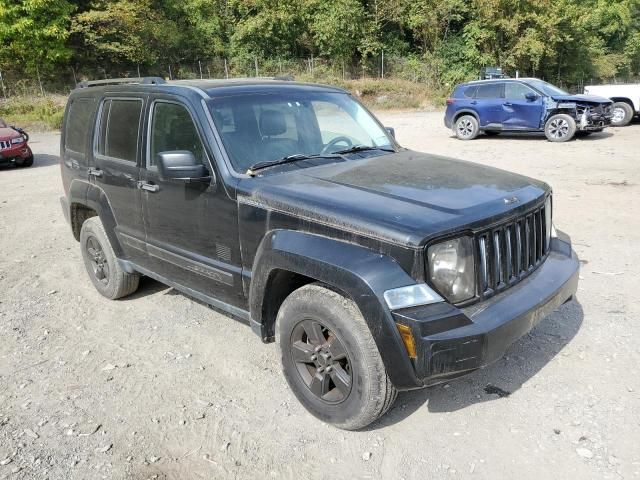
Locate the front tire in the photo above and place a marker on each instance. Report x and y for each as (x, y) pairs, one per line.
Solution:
(466, 127)
(27, 162)
(330, 359)
(622, 114)
(101, 262)
(560, 128)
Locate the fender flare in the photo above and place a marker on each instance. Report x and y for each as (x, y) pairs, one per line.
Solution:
(464, 111)
(93, 197)
(362, 274)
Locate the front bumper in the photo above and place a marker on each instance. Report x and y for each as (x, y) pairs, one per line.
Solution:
(452, 342)
(18, 152)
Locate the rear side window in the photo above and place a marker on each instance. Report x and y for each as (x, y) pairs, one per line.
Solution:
(462, 91)
(119, 128)
(490, 90)
(78, 124)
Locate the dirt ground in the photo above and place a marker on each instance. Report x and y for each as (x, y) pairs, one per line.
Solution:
(161, 386)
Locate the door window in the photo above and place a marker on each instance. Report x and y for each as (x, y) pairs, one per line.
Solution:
(78, 123)
(490, 90)
(119, 128)
(516, 91)
(172, 128)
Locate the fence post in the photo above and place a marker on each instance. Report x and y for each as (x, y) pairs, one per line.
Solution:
(39, 81)
(139, 76)
(226, 69)
(170, 75)
(200, 67)
(382, 65)
(256, 62)
(4, 92)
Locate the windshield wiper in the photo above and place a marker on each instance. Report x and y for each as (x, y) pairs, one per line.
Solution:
(288, 159)
(362, 148)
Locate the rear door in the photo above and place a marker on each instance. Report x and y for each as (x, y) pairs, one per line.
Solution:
(488, 104)
(520, 112)
(77, 137)
(116, 155)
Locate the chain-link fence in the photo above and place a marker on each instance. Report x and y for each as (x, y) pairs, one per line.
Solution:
(63, 80)
(320, 69)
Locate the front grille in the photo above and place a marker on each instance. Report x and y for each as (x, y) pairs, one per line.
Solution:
(4, 144)
(510, 251)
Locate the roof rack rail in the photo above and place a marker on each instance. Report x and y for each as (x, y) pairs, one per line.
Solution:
(118, 81)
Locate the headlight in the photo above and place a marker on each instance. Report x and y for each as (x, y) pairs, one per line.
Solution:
(548, 222)
(16, 140)
(410, 296)
(452, 270)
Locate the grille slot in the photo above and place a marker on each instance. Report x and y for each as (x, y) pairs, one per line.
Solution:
(4, 144)
(511, 251)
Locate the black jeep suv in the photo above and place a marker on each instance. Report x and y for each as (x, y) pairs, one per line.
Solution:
(289, 205)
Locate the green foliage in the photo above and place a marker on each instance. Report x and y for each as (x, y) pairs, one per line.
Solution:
(442, 41)
(40, 113)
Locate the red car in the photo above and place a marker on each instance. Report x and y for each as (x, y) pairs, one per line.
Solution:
(13, 146)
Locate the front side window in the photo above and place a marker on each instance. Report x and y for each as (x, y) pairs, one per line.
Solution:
(119, 128)
(546, 87)
(516, 91)
(267, 127)
(490, 90)
(172, 129)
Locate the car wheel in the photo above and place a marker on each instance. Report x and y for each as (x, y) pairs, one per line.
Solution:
(466, 127)
(622, 114)
(330, 359)
(101, 262)
(560, 128)
(27, 162)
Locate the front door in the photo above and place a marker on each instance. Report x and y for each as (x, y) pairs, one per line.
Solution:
(520, 112)
(114, 169)
(191, 227)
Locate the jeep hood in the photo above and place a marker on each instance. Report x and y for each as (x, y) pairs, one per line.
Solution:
(406, 197)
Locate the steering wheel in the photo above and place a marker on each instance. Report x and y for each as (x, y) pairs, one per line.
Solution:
(334, 142)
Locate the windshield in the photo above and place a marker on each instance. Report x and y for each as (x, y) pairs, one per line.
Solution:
(263, 127)
(547, 88)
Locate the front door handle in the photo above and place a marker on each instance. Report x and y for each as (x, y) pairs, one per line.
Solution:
(474, 103)
(95, 172)
(149, 187)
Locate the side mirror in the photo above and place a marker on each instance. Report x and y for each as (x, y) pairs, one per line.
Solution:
(181, 165)
(530, 96)
(391, 131)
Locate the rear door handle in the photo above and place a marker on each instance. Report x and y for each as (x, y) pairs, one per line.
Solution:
(474, 102)
(149, 187)
(95, 172)
(508, 104)
(75, 164)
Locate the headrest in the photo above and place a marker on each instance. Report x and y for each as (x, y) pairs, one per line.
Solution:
(272, 123)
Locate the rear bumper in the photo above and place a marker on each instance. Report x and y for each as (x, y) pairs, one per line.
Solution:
(452, 342)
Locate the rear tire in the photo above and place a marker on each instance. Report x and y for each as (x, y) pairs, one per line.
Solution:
(560, 128)
(466, 127)
(101, 262)
(622, 114)
(330, 359)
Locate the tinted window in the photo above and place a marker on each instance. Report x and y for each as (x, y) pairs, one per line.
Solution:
(516, 91)
(78, 122)
(173, 129)
(470, 92)
(490, 90)
(119, 126)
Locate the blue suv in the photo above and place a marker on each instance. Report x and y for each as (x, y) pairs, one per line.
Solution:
(524, 105)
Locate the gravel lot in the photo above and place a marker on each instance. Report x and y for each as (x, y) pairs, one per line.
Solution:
(161, 386)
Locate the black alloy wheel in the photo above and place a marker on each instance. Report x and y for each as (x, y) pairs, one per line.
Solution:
(321, 360)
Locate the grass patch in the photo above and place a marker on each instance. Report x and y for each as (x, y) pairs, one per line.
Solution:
(34, 113)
